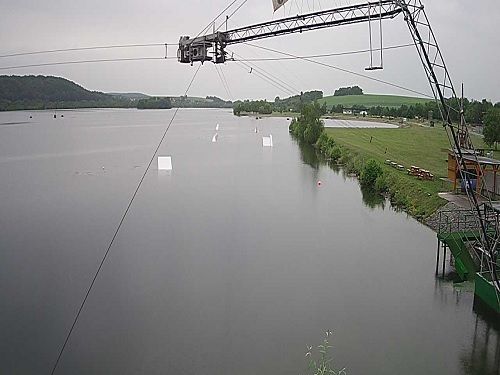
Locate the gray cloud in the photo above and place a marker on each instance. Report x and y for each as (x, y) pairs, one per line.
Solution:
(467, 32)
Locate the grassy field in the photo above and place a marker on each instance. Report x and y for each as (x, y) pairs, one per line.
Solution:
(414, 145)
(371, 100)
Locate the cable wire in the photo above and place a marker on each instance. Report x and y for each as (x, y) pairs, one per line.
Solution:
(272, 76)
(222, 80)
(85, 62)
(118, 229)
(264, 78)
(272, 81)
(232, 14)
(227, 84)
(86, 49)
(342, 70)
(214, 20)
(329, 54)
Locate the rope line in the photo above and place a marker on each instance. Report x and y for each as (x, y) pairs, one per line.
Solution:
(118, 229)
(74, 62)
(86, 49)
(328, 54)
(342, 70)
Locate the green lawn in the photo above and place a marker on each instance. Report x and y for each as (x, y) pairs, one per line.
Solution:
(371, 100)
(413, 145)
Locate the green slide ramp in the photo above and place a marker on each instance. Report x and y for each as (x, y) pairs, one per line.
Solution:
(464, 264)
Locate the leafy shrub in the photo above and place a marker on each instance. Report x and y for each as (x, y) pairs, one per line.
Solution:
(381, 184)
(370, 172)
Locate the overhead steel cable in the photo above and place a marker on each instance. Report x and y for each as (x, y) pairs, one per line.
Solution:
(274, 77)
(59, 50)
(227, 84)
(273, 81)
(73, 62)
(328, 54)
(224, 84)
(118, 229)
(215, 19)
(342, 70)
(232, 14)
(264, 78)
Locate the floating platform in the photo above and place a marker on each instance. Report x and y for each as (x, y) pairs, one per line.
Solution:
(466, 265)
(485, 290)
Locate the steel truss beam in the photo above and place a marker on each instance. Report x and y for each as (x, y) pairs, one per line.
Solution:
(196, 49)
(447, 99)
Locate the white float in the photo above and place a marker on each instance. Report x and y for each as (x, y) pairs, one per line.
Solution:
(267, 141)
(164, 163)
(214, 138)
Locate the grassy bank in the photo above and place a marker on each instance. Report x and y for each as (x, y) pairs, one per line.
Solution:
(411, 145)
(371, 100)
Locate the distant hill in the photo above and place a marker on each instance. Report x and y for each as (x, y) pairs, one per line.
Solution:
(371, 100)
(197, 102)
(47, 92)
(130, 95)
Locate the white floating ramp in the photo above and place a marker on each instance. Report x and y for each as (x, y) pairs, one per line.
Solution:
(267, 141)
(164, 163)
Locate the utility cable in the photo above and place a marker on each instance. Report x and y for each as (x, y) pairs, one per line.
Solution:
(222, 80)
(214, 20)
(329, 54)
(342, 70)
(232, 14)
(264, 78)
(270, 79)
(282, 82)
(118, 229)
(227, 84)
(73, 62)
(86, 49)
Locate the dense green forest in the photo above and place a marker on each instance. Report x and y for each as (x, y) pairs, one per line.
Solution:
(195, 102)
(154, 103)
(345, 91)
(290, 104)
(47, 92)
(474, 110)
(41, 92)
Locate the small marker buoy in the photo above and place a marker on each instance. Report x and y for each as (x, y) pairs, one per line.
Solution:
(319, 183)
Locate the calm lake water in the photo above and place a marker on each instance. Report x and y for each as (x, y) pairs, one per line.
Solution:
(230, 264)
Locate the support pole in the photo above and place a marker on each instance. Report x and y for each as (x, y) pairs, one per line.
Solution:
(444, 259)
(437, 257)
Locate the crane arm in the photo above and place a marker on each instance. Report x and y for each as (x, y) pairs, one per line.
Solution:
(197, 49)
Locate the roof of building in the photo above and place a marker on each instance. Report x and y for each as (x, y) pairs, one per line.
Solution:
(483, 160)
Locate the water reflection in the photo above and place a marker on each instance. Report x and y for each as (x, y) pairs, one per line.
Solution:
(483, 357)
(372, 199)
(481, 354)
(310, 156)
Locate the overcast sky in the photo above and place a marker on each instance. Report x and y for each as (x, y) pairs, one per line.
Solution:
(467, 32)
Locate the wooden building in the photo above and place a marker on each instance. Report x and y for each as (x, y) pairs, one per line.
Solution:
(479, 165)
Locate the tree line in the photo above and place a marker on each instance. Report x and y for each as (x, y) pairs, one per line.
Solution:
(48, 92)
(345, 91)
(474, 111)
(291, 104)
